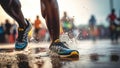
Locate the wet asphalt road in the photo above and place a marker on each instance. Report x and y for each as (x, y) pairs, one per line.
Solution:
(99, 54)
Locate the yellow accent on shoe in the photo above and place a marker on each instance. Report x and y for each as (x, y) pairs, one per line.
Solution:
(57, 40)
(20, 29)
(73, 54)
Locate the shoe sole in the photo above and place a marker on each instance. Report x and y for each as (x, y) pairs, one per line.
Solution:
(72, 56)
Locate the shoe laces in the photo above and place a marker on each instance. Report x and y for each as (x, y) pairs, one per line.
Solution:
(58, 46)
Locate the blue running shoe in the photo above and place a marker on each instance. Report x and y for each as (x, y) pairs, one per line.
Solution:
(62, 50)
(22, 40)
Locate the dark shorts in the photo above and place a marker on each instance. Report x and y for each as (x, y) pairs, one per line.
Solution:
(37, 30)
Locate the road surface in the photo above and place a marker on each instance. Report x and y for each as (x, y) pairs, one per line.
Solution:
(99, 54)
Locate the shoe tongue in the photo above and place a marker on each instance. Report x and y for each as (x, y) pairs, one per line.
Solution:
(57, 40)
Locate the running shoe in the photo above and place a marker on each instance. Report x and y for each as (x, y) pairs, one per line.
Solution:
(61, 49)
(22, 40)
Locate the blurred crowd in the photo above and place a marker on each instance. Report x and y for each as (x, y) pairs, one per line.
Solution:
(92, 30)
(8, 30)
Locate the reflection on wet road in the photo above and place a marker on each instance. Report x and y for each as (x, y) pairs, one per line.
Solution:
(101, 54)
